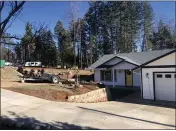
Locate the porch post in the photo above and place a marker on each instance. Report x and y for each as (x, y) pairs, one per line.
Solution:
(113, 78)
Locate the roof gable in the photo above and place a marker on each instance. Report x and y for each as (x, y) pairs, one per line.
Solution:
(101, 61)
(167, 59)
(137, 58)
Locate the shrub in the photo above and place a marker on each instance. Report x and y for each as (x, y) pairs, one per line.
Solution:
(25, 72)
(42, 71)
(20, 69)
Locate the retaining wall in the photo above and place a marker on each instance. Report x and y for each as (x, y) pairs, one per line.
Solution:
(99, 95)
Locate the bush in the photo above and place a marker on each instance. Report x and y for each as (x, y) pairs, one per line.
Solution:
(31, 73)
(20, 69)
(39, 70)
(42, 71)
(25, 72)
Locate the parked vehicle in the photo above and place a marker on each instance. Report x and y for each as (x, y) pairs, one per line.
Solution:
(49, 77)
(33, 64)
(39, 75)
(8, 64)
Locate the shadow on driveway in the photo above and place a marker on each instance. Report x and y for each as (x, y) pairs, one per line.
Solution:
(121, 116)
(135, 98)
(25, 122)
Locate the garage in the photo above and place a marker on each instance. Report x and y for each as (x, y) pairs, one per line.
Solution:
(164, 86)
(158, 78)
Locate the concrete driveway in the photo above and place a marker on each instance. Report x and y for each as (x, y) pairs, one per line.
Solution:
(107, 115)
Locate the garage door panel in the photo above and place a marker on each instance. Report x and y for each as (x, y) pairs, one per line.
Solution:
(165, 84)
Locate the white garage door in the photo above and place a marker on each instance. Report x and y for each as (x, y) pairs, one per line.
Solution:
(165, 86)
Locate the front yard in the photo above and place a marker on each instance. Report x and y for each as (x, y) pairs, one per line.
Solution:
(53, 92)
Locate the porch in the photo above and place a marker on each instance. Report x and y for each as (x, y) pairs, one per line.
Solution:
(118, 78)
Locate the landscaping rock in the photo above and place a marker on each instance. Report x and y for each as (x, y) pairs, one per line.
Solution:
(22, 80)
(80, 85)
(60, 83)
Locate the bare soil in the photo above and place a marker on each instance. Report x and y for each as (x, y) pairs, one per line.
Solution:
(48, 91)
(47, 94)
(50, 94)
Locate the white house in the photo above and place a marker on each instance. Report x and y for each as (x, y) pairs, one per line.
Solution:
(139, 70)
(159, 78)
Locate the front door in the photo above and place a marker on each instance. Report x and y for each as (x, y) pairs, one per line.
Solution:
(128, 78)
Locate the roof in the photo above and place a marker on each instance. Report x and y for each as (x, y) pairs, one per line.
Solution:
(102, 60)
(138, 58)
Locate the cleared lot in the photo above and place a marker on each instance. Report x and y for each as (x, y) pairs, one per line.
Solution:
(48, 91)
(56, 92)
(109, 115)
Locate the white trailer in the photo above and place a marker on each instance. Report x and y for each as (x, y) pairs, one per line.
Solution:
(33, 64)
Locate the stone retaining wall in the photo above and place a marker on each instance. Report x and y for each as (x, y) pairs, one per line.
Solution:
(99, 95)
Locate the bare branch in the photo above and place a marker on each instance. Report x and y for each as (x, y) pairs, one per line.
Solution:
(11, 37)
(1, 6)
(11, 14)
(5, 43)
(13, 19)
(16, 4)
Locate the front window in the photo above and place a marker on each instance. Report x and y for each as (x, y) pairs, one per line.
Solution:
(106, 75)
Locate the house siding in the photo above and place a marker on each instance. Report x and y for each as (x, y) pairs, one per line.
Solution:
(147, 87)
(147, 83)
(137, 78)
(167, 60)
(97, 76)
(113, 61)
(124, 66)
(120, 77)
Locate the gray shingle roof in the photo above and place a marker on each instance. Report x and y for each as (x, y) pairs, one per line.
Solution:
(138, 58)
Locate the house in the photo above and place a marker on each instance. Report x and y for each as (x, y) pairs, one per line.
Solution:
(153, 72)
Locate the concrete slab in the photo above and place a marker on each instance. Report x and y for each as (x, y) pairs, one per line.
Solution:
(107, 115)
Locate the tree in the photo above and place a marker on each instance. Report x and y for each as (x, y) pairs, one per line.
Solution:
(116, 27)
(18, 52)
(147, 25)
(15, 8)
(46, 46)
(73, 15)
(28, 43)
(163, 38)
(60, 33)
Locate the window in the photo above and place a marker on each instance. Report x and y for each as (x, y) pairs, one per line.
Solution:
(106, 75)
(102, 75)
(175, 75)
(159, 76)
(167, 76)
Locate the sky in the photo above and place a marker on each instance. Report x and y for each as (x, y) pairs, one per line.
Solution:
(50, 12)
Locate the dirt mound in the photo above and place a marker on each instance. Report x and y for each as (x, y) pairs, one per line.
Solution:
(47, 94)
(10, 74)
